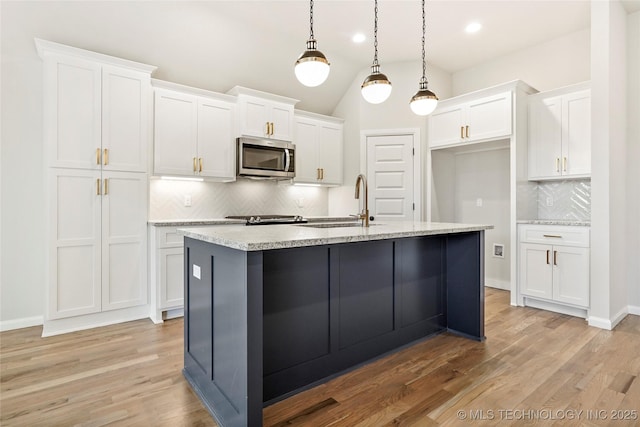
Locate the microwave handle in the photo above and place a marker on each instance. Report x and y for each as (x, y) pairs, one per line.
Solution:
(287, 160)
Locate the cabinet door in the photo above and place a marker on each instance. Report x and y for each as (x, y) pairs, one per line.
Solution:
(536, 272)
(545, 137)
(125, 103)
(576, 134)
(571, 275)
(175, 136)
(253, 116)
(72, 112)
(74, 257)
(281, 115)
(171, 265)
(306, 154)
(216, 144)
(124, 240)
(446, 126)
(489, 118)
(330, 153)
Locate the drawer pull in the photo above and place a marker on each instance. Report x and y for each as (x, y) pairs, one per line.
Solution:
(555, 257)
(548, 256)
(552, 235)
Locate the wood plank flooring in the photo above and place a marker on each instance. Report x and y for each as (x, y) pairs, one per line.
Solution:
(535, 368)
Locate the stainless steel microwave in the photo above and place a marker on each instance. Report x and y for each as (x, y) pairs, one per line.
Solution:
(264, 158)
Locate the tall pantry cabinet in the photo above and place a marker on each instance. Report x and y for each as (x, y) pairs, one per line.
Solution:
(97, 145)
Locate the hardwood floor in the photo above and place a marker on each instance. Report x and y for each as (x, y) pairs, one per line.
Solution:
(535, 368)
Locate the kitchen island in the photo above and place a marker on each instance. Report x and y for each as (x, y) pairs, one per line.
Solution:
(271, 310)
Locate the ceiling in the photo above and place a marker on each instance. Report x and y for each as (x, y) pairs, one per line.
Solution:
(218, 44)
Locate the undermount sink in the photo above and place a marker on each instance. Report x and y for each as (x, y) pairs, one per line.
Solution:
(335, 224)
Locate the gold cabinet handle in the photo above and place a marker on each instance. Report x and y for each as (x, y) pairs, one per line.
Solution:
(548, 256)
(318, 174)
(200, 161)
(195, 165)
(555, 257)
(552, 235)
(461, 131)
(105, 157)
(321, 173)
(564, 164)
(267, 129)
(467, 131)
(98, 156)
(557, 164)
(272, 129)
(98, 187)
(106, 186)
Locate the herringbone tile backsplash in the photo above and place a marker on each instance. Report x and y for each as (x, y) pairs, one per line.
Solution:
(243, 197)
(570, 200)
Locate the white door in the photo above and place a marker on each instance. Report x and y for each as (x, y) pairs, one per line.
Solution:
(489, 117)
(74, 260)
(571, 275)
(330, 152)
(306, 154)
(545, 137)
(216, 144)
(446, 126)
(390, 175)
(124, 240)
(576, 134)
(536, 272)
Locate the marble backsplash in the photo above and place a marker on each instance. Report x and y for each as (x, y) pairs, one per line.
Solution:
(555, 200)
(243, 197)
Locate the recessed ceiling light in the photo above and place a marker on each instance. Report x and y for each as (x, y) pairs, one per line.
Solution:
(358, 38)
(473, 27)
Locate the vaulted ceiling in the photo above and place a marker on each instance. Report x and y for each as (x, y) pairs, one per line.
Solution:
(218, 44)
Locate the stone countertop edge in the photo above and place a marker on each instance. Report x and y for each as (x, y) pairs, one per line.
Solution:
(193, 222)
(572, 222)
(270, 237)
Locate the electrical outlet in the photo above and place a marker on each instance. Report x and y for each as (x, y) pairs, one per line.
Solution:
(549, 201)
(300, 202)
(479, 202)
(187, 200)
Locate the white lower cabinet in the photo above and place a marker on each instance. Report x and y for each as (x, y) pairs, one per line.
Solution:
(554, 264)
(98, 230)
(166, 271)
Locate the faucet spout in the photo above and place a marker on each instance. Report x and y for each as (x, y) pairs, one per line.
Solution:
(364, 215)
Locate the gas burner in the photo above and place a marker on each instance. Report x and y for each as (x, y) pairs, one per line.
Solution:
(270, 219)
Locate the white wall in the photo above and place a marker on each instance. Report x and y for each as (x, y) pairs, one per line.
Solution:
(394, 113)
(559, 62)
(633, 159)
(608, 176)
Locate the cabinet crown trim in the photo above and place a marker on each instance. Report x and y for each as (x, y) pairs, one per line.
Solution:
(310, 115)
(492, 90)
(243, 91)
(46, 48)
(163, 84)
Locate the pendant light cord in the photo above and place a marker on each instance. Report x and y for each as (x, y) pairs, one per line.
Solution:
(375, 33)
(311, 21)
(424, 62)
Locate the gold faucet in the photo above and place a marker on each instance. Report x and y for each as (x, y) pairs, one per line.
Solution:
(364, 215)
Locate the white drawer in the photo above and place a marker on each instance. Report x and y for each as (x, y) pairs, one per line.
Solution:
(555, 235)
(168, 237)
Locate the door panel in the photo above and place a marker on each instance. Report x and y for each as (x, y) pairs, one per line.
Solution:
(216, 145)
(536, 273)
(390, 174)
(576, 138)
(571, 275)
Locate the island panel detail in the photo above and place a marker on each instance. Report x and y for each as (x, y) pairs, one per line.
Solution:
(262, 325)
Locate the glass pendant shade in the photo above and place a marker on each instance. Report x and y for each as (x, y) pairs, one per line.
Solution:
(376, 88)
(424, 101)
(312, 67)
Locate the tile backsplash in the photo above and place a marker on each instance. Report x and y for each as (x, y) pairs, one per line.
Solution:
(243, 197)
(570, 200)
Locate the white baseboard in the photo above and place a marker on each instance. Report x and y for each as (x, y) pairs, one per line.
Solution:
(174, 313)
(25, 322)
(609, 324)
(497, 284)
(95, 320)
(634, 309)
(555, 307)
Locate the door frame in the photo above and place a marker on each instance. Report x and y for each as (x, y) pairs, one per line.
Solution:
(417, 160)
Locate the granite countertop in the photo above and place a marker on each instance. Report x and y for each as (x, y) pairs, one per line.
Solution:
(194, 222)
(573, 222)
(267, 237)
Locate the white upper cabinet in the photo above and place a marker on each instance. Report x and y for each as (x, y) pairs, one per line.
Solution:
(560, 134)
(96, 113)
(457, 123)
(193, 134)
(264, 115)
(319, 143)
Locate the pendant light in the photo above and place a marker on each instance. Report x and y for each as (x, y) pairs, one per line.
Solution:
(312, 67)
(376, 88)
(424, 101)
